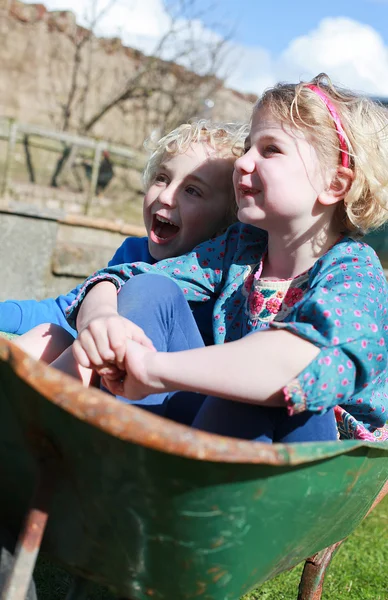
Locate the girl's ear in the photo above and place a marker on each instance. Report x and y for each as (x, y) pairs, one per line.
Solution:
(338, 187)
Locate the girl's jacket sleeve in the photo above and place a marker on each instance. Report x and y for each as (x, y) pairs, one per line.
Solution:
(344, 313)
(201, 274)
(19, 316)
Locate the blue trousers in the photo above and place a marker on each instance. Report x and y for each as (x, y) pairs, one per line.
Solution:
(158, 306)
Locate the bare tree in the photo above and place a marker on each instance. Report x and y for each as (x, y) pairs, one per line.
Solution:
(163, 88)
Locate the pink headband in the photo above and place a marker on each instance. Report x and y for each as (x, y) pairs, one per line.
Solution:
(337, 123)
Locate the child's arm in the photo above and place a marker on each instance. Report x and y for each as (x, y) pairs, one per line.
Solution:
(254, 369)
(102, 331)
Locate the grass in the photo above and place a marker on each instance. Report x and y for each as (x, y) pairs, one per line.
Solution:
(358, 571)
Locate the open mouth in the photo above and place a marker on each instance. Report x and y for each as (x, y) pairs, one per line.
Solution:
(163, 230)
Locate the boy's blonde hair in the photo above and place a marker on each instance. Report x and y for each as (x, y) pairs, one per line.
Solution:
(227, 138)
(365, 126)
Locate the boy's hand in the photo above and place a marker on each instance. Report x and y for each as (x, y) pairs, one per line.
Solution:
(101, 344)
(135, 380)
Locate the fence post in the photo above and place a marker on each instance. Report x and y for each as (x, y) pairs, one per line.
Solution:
(95, 169)
(13, 128)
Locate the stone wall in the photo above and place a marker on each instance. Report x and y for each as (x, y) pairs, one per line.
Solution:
(44, 255)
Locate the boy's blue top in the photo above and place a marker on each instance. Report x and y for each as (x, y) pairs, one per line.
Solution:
(343, 311)
(19, 316)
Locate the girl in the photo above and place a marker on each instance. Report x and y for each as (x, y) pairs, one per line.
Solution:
(292, 275)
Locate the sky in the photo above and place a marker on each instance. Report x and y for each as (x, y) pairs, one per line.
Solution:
(268, 41)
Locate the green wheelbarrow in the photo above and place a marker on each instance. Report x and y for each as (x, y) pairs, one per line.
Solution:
(153, 509)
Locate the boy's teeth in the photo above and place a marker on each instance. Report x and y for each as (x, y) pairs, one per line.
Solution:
(163, 220)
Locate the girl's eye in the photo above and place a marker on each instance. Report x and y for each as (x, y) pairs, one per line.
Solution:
(161, 178)
(270, 150)
(193, 191)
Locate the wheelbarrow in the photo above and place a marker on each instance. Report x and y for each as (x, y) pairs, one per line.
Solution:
(150, 508)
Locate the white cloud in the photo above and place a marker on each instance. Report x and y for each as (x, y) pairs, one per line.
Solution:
(350, 52)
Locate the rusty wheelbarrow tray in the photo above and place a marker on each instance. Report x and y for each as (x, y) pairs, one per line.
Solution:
(150, 508)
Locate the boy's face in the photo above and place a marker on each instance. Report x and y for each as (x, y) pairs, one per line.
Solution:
(188, 201)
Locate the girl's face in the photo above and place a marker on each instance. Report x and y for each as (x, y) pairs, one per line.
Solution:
(188, 201)
(279, 179)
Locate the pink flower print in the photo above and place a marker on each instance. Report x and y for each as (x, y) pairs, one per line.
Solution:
(176, 271)
(358, 284)
(326, 313)
(359, 400)
(379, 357)
(373, 327)
(205, 263)
(329, 277)
(217, 271)
(273, 305)
(343, 267)
(337, 323)
(185, 291)
(207, 275)
(349, 249)
(320, 301)
(370, 356)
(357, 313)
(345, 381)
(336, 341)
(336, 351)
(381, 342)
(293, 296)
(346, 286)
(347, 277)
(279, 294)
(338, 311)
(194, 268)
(327, 360)
(324, 386)
(248, 282)
(221, 329)
(357, 326)
(349, 364)
(217, 317)
(354, 259)
(256, 301)
(325, 290)
(341, 369)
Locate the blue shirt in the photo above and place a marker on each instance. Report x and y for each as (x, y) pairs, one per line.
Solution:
(343, 311)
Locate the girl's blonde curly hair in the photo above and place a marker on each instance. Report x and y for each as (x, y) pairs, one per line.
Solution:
(365, 126)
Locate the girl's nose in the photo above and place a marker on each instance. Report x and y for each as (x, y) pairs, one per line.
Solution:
(245, 164)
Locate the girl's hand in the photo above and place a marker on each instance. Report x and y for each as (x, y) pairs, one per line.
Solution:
(101, 344)
(135, 381)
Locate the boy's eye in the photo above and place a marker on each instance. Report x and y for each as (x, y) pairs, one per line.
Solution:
(161, 178)
(193, 191)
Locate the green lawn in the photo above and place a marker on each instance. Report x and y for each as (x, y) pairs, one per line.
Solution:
(358, 572)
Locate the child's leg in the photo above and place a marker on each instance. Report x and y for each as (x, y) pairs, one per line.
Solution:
(45, 342)
(67, 364)
(159, 307)
(263, 424)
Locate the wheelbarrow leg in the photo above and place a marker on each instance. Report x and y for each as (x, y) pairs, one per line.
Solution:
(20, 576)
(311, 582)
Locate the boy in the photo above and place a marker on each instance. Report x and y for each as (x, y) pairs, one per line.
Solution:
(189, 198)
